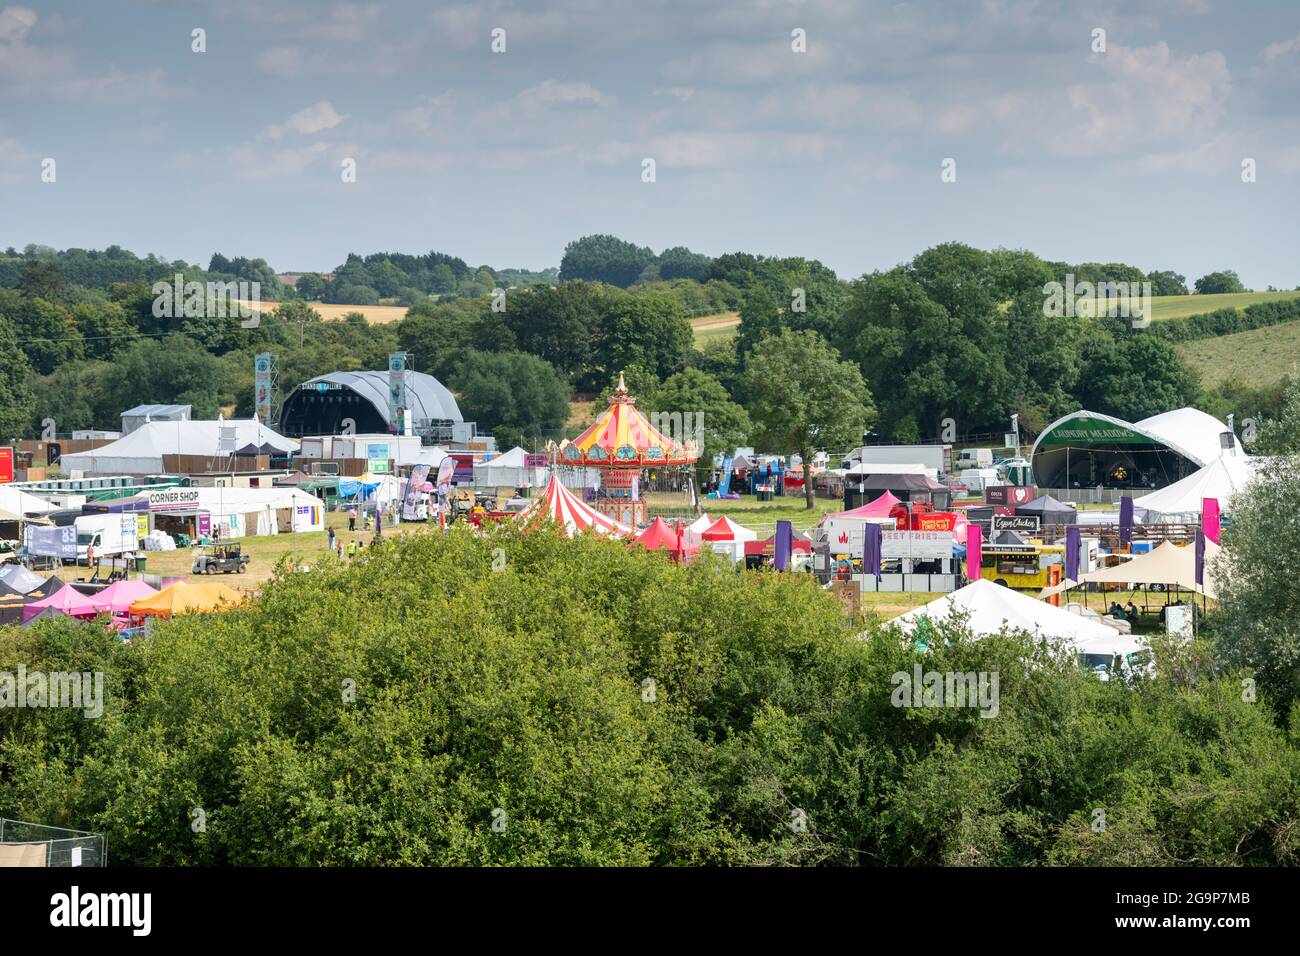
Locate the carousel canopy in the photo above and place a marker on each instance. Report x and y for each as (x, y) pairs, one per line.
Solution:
(623, 437)
(566, 509)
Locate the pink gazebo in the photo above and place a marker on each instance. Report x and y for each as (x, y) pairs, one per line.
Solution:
(879, 508)
(67, 600)
(118, 597)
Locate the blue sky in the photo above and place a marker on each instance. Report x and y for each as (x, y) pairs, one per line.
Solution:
(1133, 154)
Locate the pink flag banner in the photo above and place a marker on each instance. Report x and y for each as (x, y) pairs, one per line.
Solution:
(1210, 518)
(974, 551)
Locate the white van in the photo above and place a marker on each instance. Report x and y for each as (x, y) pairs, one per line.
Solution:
(977, 479)
(975, 458)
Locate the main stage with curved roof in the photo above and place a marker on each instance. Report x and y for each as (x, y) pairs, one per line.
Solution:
(319, 405)
(1085, 449)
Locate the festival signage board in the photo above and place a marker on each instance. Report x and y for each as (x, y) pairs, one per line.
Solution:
(57, 542)
(921, 545)
(1010, 494)
(167, 498)
(1020, 524)
(847, 536)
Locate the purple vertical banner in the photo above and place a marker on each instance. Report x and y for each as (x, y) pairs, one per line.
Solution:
(784, 544)
(1126, 522)
(1200, 559)
(974, 551)
(1073, 541)
(1210, 522)
(872, 538)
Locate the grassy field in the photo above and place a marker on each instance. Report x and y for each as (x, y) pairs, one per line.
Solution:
(759, 516)
(723, 325)
(719, 326)
(1181, 306)
(266, 553)
(1258, 357)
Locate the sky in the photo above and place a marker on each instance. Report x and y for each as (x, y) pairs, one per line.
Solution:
(836, 152)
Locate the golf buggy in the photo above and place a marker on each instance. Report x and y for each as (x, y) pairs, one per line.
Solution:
(226, 558)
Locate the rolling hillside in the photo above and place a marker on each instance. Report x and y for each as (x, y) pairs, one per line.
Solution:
(1258, 357)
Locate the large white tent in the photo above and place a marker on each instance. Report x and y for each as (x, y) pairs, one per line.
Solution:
(508, 470)
(141, 452)
(244, 511)
(1222, 479)
(993, 608)
(18, 502)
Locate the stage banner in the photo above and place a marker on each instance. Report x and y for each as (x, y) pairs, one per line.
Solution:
(262, 386)
(1210, 521)
(396, 387)
(1126, 522)
(1073, 541)
(419, 475)
(784, 543)
(1200, 558)
(872, 539)
(974, 552)
(6, 465)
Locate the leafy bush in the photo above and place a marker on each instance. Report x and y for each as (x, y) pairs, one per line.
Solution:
(523, 692)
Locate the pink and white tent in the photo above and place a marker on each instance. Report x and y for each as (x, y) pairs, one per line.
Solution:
(118, 597)
(566, 509)
(66, 599)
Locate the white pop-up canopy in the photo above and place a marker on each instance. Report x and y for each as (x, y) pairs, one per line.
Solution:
(1222, 479)
(1167, 564)
(509, 470)
(993, 608)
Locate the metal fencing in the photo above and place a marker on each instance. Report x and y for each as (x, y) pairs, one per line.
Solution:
(64, 847)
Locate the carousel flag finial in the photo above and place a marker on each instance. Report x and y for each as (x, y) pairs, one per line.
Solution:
(622, 386)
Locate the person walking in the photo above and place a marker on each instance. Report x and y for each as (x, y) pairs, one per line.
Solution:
(331, 539)
(352, 518)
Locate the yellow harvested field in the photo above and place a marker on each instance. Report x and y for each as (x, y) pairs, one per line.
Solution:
(375, 314)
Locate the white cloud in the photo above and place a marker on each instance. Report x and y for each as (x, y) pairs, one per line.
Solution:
(16, 23)
(314, 119)
(556, 93)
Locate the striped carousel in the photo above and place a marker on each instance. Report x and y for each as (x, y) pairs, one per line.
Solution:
(619, 446)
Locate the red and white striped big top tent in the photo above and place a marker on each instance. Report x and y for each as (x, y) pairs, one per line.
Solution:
(566, 509)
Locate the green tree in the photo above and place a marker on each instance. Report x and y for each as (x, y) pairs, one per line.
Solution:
(680, 263)
(802, 397)
(1215, 283)
(604, 258)
(511, 390)
(646, 330)
(1259, 602)
(699, 397)
(175, 370)
(1167, 282)
(310, 287)
(760, 317)
(19, 402)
